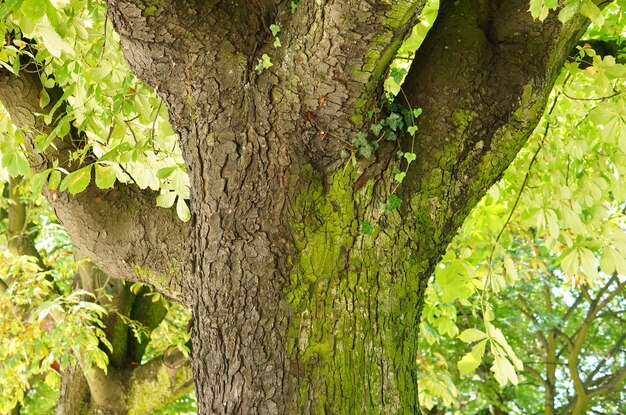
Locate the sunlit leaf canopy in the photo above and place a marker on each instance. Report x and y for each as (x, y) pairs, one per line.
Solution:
(557, 216)
(76, 54)
(558, 211)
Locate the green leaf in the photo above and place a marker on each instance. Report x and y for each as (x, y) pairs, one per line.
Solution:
(593, 12)
(412, 130)
(54, 179)
(390, 136)
(165, 172)
(472, 335)
(569, 10)
(37, 181)
(376, 129)
(51, 39)
(504, 371)
(410, 157)
(393, 202)
(105, 176)
(182, 210)
(399, 177)
(394, 121)
(35, 8)
(366, 228)
(15, 162)
(77, 181)
(275, 29)
(360, 140)
(266, 61)
(44, 98)
(166, 199)
(10, 5)
(472, 360)
(398, 74)
(366, 151)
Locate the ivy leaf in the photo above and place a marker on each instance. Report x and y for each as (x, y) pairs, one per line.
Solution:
(366, 228)
(77, 181)
(394, 121)
(360, 140)
(399, 177)
(266, 61)
(275, 29)
(410, 157)
(398, 74)
(366, 151)
(376, 129)
(393, 202)
(390, 136)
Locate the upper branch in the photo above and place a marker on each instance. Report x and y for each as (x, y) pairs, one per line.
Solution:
(482, 78)
(339, 52)
(120, 230)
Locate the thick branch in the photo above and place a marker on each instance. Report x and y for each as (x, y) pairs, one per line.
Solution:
(120, 230)
(482, 78)
(172, 375)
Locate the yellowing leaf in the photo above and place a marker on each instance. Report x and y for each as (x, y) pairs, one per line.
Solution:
(471, 360)
(51, 39)
(77, 181)
(504, 371)
(105, 176)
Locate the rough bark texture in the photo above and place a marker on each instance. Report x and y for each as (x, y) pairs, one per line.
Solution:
(121, 230)
(296, 311)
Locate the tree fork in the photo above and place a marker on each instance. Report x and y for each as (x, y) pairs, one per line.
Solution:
(296, 311)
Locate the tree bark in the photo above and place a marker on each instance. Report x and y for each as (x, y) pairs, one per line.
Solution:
(295, 310)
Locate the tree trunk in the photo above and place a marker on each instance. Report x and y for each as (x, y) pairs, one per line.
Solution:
(296, 310)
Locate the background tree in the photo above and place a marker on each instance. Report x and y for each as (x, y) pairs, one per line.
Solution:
(65, 318)
(312, 239)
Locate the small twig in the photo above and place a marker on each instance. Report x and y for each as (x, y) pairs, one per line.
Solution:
(104, 42)
(156, 116)
(592, 99)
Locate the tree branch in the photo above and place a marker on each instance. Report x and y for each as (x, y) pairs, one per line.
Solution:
(482, 93)
(171, 371)
(612, 385)
(120, 230)
(536, 375)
